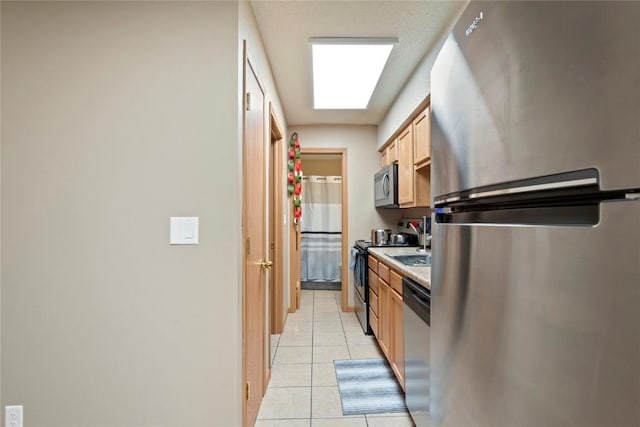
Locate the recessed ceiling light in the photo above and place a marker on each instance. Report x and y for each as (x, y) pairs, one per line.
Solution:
(347, 70)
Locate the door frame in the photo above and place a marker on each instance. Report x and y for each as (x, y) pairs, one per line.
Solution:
(275, 164)
(276, 193)
(345, 219)
(294, 262)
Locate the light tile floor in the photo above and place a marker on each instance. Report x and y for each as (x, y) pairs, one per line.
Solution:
(303, 390)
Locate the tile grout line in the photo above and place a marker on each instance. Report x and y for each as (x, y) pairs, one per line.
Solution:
(345, 335)
(313, 318)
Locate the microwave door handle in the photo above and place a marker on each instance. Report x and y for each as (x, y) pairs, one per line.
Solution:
(385, 185)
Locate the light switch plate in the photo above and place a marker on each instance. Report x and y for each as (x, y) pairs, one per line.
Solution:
(183, 230)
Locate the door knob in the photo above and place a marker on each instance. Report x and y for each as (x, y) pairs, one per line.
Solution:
(265, 264)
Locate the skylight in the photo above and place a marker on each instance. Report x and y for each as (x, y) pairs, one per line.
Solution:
(347, 70)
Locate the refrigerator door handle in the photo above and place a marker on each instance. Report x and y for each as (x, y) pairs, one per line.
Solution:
(539, 187)
(585, 180)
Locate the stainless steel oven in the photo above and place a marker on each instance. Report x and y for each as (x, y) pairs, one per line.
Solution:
(361, 277)
(361, 285)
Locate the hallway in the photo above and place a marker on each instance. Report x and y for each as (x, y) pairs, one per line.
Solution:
(303, 391)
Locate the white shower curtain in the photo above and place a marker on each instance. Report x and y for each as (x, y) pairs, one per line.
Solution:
(321, 224)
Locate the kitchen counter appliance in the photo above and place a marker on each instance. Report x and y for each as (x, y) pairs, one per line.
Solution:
(536, 178)
(380, 236)
(417, 323)
(385, 187)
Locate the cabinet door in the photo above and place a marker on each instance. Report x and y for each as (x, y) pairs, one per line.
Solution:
(373, 301)
(372, 263)
(384, 158)
(405, 166)
(373, 322)
(397, 331)
(395, 280)
(392, 152)
(384, 318)
(383, 272)
(422, 137)
(373, 281)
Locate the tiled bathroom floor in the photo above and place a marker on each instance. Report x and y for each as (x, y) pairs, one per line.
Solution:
(303, 391)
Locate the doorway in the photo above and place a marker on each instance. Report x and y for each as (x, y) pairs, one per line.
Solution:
(321, 245)
(337, 157)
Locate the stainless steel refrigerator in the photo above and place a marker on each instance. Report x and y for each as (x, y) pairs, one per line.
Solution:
(536, 176)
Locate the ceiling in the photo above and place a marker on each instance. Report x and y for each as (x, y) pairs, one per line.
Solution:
(286, 27)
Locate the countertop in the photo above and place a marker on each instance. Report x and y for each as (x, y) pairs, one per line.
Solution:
(421, 275)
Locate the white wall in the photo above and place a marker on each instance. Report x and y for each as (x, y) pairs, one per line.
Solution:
(116, 116)
(363, 161)
(417, 87)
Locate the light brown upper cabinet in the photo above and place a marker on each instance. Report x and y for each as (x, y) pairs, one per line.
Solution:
(422, 138)
(422, 158)
(411, 148)
(390, 154)
(392, 151)
(405, 166)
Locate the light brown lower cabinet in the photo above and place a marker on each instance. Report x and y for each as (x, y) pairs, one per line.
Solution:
(384, 318)
(373, 281)
(373, 301)
(386, 311)
(373, 321)
(397, 347)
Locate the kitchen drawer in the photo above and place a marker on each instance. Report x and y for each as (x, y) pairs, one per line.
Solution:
(373, 281)
(373, 263)
(395, 282)
(373, 300)
(373, 322)
(383, 272)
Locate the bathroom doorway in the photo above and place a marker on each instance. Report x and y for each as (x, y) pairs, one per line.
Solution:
(323, 231)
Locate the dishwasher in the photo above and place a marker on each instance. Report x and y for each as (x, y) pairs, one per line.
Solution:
(417, 321)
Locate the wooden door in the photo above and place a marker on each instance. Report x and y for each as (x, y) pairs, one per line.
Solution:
(255, 267)
(405, 166)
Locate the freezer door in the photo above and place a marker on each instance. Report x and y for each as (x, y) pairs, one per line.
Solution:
(528, 89)
(537, 326)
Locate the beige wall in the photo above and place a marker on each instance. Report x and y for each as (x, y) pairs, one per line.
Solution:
(363, 163)
(320, 166)
(115, 117)
(416, 88)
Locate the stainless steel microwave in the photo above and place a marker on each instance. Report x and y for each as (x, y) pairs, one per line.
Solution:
(385, 187)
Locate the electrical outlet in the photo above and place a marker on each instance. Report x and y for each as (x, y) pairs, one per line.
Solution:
(13, 416)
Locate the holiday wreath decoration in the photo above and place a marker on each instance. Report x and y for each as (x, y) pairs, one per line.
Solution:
(294, 178)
